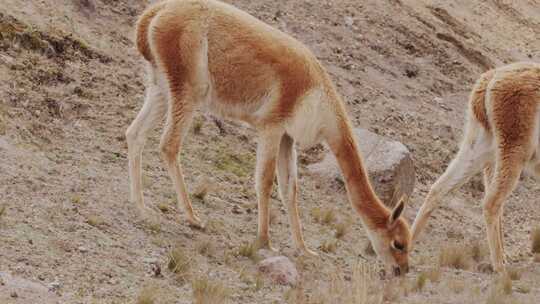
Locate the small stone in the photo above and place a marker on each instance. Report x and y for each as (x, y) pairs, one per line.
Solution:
(14, 294)
(349, 21)
(280, 269)
(150, 260)
(82, 249)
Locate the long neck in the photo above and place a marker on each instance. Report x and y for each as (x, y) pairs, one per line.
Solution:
(361, 194)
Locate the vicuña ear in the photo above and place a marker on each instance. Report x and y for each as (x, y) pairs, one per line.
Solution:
(396, 213)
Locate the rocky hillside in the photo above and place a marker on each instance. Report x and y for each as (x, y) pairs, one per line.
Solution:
(71, 82)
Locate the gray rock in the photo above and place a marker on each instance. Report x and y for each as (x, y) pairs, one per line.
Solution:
(280, 269)
(389, 165)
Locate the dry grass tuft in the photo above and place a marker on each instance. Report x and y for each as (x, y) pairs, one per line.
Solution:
(329, 246)
(456, 285)
(163, 207)
(197, 127)
(179, 262)
(208, 292)
(248, 250)
(454, 256)
(514, 273)
(478, 251)
(148, 295)
(434, 274)
(341, 229)
(500, 289)
(535, 240)
(202, 189)
(420, 282)
(362, 288)
(326, 216)
(94, 220)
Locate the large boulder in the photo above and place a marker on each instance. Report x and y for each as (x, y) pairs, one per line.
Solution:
(280, 269)
(389, 165)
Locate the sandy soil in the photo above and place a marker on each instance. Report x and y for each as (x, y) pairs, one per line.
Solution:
(71, 82)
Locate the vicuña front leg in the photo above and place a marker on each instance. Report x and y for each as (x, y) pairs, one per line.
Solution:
(178, 120)
(287, 181)
(267, 150)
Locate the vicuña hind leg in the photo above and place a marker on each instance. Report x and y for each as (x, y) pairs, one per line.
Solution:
(488, 177)
(265, 172)
(179, 118)
(152, 112)
(287, 181)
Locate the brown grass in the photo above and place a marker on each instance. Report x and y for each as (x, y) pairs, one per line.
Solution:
(248, 250)
(420, 282)
(208, 292)
(323, 216)
(341, 229)
(535, 240)
(94, 220)
(179, 262)
(148, 295)
(163, 207)
(478, 251)
(455, 256)
(329, 246)
(362, 288)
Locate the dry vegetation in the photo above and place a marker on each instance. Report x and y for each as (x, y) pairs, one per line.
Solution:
(205, 291)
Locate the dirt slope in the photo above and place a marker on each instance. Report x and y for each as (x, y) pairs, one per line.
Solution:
(71, 82)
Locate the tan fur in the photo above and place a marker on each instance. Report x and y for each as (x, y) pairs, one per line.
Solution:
(207, 54)
(502, 137)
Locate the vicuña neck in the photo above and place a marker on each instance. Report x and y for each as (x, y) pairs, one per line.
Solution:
(361, 194)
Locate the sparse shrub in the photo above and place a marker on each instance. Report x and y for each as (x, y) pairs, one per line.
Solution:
(341, 229)
(94, 220)
(202, 190)
(321, 216)
(164, 207)
(154, 226)
(197, 127)
(420, 282)
(455, 285)
(207, 292)
(179, 262)
(329, 246)
(363, 287)
(478, 251)
(434, 274)
(147, 295)
(535, 240)
(76, 199)
(514, 274)
(454, 256)
(248, 250)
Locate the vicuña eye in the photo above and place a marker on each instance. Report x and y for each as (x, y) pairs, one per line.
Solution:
(399, 246)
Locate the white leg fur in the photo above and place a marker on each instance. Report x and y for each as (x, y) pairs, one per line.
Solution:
(267, 152)
(287, 181)
(151, 113)
(474, 154)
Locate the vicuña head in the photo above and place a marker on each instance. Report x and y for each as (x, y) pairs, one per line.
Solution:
(210, 55)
